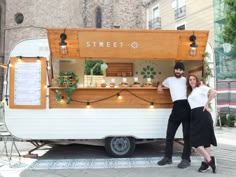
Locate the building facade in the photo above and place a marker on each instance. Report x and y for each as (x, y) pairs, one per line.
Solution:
(181, 15)
(30, 19)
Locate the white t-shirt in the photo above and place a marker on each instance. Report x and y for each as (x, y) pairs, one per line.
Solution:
(177, 86)
(198, 96)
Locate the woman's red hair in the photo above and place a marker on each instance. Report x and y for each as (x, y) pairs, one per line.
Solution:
(189, 88)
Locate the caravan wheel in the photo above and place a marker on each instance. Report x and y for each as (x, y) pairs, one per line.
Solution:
(120, 146)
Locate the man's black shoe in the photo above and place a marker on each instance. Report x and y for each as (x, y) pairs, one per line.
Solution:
(164, 161)
(204, 167)
(184, 163)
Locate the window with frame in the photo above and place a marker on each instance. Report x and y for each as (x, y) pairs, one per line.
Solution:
(180, 10)
(156, 12)
(155, 22)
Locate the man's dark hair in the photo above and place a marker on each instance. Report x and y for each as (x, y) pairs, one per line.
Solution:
(179, 65)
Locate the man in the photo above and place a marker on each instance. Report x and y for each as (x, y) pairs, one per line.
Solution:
(180, 114)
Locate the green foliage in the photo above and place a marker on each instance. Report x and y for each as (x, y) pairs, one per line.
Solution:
(69, 80)
(223, 119)
(208, 72)
(229, 33)
(89, 64)
(231, 120)
(58, 95)
(227, 120)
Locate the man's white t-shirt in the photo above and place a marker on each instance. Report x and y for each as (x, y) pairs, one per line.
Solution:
(198, 97)
(177, 86)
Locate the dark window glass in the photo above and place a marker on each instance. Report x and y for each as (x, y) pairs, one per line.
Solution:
(98, 18)
(182, 27)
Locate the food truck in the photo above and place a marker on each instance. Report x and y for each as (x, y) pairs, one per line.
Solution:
(50, 98)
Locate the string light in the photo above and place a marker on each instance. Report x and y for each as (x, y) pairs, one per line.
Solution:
(38, 59)
(151, 105)
(88, 105)
(10, 65)
(62, 99)
(118, 95)
(19, 58)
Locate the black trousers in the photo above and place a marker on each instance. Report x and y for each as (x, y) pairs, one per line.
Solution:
(180, 114)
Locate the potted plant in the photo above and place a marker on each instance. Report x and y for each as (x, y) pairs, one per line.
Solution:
(69, 81)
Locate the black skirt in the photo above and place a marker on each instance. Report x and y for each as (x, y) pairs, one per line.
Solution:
(202, 131)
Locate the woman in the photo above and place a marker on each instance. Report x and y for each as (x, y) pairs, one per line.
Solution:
(202, 132)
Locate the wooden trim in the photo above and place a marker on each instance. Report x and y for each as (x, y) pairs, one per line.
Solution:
(12, 84)
(127, 44)
(129, 100)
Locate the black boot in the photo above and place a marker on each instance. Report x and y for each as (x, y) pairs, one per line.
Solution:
(164, 161)
(212, 164)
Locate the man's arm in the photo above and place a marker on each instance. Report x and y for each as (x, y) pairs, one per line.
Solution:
(161, 85)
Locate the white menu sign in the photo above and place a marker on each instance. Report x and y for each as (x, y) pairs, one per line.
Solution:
(27, 83)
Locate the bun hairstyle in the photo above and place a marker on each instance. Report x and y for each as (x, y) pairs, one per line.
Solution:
(179, 65)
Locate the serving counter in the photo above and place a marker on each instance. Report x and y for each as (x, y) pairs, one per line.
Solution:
(129, 97)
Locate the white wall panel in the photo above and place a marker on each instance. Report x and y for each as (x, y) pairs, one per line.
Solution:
(87, 123)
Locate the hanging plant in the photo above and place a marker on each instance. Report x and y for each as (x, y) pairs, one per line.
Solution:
(208, 71)
(69, 81)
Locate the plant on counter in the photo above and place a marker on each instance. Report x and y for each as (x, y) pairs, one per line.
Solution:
(69, 81)
(89, 64)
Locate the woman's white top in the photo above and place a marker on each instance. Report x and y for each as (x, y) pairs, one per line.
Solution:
(198, 96)
(177, 86)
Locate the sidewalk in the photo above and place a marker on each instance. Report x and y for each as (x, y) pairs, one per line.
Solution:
(226, 135)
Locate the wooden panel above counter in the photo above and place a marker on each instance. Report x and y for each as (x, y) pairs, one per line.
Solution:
(119, 70)
(108, 98)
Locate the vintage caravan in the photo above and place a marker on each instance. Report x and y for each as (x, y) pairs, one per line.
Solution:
(50, 98)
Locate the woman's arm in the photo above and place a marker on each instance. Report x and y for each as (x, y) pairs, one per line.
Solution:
(211, 96)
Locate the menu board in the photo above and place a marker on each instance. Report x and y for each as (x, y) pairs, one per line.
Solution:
(27, 83)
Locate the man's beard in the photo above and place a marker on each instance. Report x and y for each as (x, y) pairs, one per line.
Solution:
(177, 75)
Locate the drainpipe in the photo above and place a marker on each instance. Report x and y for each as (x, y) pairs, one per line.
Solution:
(2, 21)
